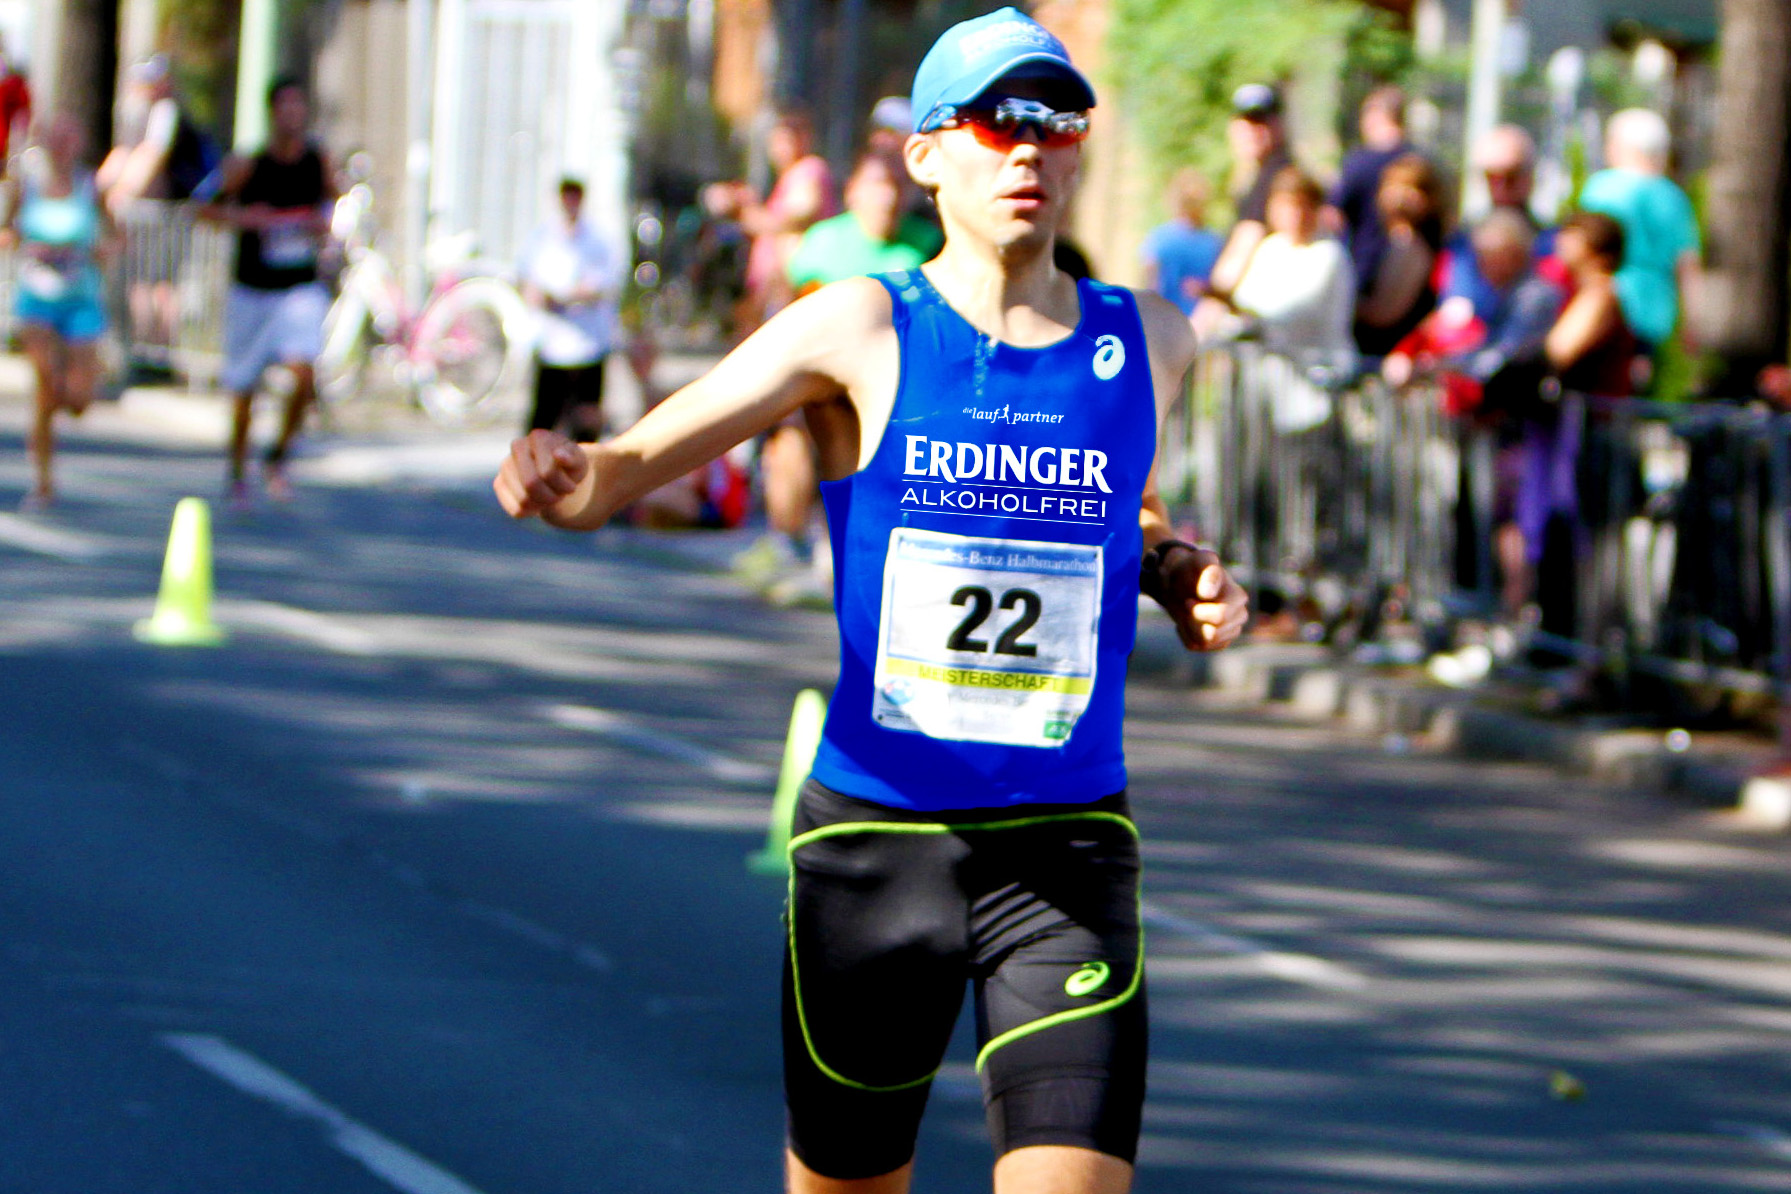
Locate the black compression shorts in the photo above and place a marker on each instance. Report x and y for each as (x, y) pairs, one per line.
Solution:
(892, 912)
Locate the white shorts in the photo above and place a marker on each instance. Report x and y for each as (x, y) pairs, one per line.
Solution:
(271, 327)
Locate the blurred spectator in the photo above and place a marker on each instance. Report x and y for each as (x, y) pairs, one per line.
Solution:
(1491, 367)
(15, 106)
(892, 120)
(1258, 142)
(1353, 210)
(161, 153)
(1660, 231)
(1506, 159)
(1774, 385)
(1179, 255)
(1590, 350)
(161, 156)
(1479, 348)
(802, 195)
(1396, 299)
(1590, 347)
(1298, 292)
(874, 235)
(573, 277)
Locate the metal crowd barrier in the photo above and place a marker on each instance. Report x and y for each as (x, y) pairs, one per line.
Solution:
(1353, 503)
(1327, 494)
(167, 288)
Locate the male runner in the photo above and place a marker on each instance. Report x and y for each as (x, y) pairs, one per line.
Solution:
(279, 202)
(989, 428)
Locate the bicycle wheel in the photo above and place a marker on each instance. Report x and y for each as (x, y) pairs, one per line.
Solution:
(470, 347)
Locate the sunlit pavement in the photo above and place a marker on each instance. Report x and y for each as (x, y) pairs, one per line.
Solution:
(432, 879)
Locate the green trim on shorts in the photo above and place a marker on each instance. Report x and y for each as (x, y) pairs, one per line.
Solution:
(841, 828)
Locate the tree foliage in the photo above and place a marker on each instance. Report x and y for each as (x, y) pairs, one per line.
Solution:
(1176, 63)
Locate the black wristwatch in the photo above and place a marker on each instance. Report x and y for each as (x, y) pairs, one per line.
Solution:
(1150, 569)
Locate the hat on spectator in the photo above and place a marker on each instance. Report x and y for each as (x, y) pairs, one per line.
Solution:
(152, 69)
(973, 55)
(1256, 101)
(894, 113)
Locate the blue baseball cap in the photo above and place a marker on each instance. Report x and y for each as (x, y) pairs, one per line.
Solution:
(972, 56)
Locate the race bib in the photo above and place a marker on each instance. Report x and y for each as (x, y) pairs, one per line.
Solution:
(986, 640)
(288, 247)
(41, 280)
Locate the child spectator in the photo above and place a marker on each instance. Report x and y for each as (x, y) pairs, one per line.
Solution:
(1411, 205)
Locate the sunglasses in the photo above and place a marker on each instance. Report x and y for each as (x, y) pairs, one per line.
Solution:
(1006, 124)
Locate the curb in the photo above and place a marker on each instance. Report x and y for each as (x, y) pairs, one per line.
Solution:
(1309, 683)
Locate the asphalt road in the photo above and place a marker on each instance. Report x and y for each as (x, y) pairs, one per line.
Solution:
(432, 880)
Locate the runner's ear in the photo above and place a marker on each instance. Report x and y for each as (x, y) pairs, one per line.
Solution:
(921, 154)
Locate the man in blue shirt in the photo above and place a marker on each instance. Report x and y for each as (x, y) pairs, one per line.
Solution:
(1179, 255)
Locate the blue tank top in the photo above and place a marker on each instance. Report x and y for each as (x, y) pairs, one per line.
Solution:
(986, 564)
(69, 226)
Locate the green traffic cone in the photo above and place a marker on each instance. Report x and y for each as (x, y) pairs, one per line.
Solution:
(800, 744)
(182, 616)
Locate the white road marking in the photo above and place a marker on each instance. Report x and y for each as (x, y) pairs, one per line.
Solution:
(509, 922)
(1773, 1140)
(389, 1160)
(1304, 969)
(322, 629)
(624, 732)
(48, 541)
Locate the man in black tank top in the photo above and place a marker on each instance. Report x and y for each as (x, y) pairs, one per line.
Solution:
(279, 202)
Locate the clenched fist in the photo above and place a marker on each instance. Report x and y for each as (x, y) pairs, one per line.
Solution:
(543, 468)
(1209, 607)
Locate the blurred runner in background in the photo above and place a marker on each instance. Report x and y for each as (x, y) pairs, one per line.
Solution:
(803, 193)
(873, 236)
(60, 231)
(279, 201)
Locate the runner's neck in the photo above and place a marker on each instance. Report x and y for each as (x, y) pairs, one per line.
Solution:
(1023, 301)
(287, 149)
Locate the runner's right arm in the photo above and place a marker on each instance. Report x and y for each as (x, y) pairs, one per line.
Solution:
(222, 208)
(812, 351)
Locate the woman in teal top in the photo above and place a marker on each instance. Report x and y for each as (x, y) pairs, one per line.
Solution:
(59, 231)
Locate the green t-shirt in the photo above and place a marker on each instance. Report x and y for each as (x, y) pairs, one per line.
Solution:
(838, 248)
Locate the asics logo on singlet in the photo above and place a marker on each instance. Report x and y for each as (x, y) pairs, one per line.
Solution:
(1109, 357)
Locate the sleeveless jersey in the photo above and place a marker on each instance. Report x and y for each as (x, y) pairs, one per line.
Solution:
(986, 563)
(282, 257)
(68, 227)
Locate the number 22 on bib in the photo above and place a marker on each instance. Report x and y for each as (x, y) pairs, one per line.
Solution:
(986, 640)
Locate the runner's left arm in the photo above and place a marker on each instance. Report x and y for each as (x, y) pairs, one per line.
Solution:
(1208, 607)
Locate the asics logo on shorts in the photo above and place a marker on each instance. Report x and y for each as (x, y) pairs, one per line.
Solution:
(1087, 980)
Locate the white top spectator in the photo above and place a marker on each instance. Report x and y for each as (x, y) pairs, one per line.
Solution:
(577, 278)
(1303, 295)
